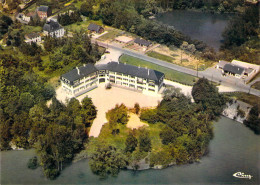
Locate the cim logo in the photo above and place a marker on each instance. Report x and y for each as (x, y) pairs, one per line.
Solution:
(241, 175)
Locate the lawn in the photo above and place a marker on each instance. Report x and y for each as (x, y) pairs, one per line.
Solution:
(245, 97)
(256, 85)
(28, 29)
(170, 74)
(160, 56)
(81, 25)
(112, 33)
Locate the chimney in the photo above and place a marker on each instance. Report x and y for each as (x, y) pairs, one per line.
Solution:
(78, 70)
(84, 65)
(148, 72)
(125, 63)
(139, 66)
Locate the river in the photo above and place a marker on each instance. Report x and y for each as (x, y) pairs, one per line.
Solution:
(234, 149)
(206, 27)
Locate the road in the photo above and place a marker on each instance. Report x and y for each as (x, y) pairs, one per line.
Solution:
(210, 73)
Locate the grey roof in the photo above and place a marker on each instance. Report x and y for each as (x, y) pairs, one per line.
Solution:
(115, 67)
(142, 42)
(51, 26)
(94, 27)
(32, 35)
(134, 71)
(222, 63)
(43, 8)
(233, 69)
(79, 72)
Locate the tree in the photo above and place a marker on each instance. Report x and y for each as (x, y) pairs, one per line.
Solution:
(130, 143)
(117, 115)
(253, 120)
(144, 141)
(107, 160)
(86, 9)
(137, 108)
(207, 95)
(88, 111)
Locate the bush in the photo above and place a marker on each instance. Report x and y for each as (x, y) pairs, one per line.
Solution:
(150, 116)
(33, 163)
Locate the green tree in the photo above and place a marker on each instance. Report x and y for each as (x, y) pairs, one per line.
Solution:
(144, 141)
(253, 120)
(107, 160)
(117, 115)
(130, 143)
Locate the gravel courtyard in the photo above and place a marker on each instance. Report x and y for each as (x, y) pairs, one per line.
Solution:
(105, 100)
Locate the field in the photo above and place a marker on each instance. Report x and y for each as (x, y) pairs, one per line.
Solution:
(81, 25)
(179, 57)
(169, 73)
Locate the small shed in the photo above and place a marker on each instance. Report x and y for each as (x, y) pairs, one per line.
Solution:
(142, 42)
(95, 28)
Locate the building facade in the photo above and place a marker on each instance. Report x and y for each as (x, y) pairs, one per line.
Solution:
(44, 12)
(85, 78)
(33, 37)
(53, 29)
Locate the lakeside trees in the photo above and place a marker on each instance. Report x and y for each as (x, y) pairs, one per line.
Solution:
(253, 120)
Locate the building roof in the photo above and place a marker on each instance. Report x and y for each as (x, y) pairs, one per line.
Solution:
(51, 26)
(124, 39)
(234, 69)
(30, 14)
(32, 35)
(134, 71)
(43, 8)
(222, 63)
(142, 42)
(140, 72)
(79, 72)
(94, 27)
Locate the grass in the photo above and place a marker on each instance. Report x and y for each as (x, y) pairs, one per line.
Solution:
(112, 33)
(256, 85)
(160, 56)
(170, 74)
(81, 25)
(245, 97)
(28, 29)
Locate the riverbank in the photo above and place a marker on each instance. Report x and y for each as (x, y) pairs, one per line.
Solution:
(233, 148)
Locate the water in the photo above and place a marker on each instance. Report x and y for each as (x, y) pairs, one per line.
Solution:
(202, 26)
(234, 148)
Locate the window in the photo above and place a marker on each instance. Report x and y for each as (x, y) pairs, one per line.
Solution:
(118, 78)
(151, 90)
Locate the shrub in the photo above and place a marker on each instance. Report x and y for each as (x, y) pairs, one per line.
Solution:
(33, 163)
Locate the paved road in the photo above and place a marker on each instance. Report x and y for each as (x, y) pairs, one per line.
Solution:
(211, 73)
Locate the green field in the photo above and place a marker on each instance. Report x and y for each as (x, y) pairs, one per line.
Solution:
(160, 56)
(170, 74)
(81, 25)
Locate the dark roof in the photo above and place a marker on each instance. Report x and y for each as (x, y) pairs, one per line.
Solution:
(79, 72)
(233, 69)
(32, 35)
(113, 66)
(43, 8)
(142, 42)
(94, 27)
(132, 70)
(51, 26)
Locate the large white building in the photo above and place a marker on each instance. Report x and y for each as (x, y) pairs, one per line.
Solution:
(85, 78)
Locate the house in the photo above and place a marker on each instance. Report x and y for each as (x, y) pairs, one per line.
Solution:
(95, 28)
(234, 70)
(142, 42)
(85, 78)
(27, 17)
(32, 37)
(53, 29)
(44, 12)
(250, 68)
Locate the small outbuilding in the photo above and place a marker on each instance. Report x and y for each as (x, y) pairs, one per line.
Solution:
(142, 42)
(95, 28)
